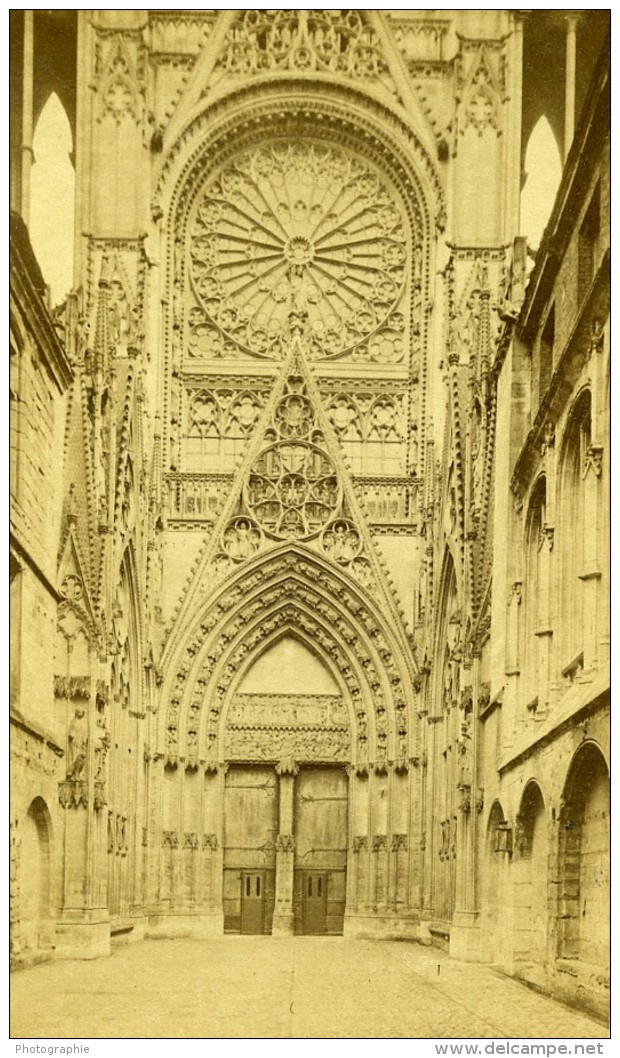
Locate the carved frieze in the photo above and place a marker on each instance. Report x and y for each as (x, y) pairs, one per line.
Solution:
(306, 744)
(196, 498)
(72, 687)
(300, 710)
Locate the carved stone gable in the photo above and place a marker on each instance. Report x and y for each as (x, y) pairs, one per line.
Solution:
(340, 43)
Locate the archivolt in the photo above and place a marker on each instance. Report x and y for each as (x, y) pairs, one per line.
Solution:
(330, 111)
(289, 589)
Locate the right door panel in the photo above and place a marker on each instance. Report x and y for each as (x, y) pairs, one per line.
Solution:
(321, 804)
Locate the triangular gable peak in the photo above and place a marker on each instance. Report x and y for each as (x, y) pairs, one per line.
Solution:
(340, 43)
(356, 48)
(76, 608)
(292, 486)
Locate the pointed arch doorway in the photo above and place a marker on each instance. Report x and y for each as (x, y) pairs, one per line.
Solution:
(285, 833)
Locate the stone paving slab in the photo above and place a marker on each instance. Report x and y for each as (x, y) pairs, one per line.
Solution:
(283, 988)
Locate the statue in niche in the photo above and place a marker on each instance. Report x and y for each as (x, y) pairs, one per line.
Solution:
(241, 539)
(341, 542)
(77, 745)
(101, 748)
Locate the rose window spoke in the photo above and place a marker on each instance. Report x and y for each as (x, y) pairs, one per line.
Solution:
(294, 228)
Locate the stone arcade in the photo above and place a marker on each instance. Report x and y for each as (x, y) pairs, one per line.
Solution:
(310, 495)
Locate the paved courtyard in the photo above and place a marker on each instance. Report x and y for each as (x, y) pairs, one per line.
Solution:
(283, 988)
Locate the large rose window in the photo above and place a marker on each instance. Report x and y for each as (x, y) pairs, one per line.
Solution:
(304, 230)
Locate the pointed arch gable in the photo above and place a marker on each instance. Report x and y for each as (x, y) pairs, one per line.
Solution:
(531, 807)
(291, 589)
(271, 568)
(127, 630)
(447, 595)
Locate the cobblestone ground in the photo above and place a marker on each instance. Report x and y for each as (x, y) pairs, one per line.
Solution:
(282, 988)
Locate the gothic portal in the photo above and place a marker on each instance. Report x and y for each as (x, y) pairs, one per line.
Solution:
(310, 486)
(291, 442)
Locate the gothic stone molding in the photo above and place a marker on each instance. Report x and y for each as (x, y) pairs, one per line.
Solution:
(230, 123)
(287, 590)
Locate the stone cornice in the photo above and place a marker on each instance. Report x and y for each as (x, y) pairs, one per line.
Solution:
(17, 720)
(596, 695)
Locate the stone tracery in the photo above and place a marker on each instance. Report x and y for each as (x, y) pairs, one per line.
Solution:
(299, 227)
(331, 41)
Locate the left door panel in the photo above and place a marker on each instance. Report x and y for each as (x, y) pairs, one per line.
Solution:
(250, 828)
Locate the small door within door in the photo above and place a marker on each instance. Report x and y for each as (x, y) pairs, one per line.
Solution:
(252, 901)
(314, 902)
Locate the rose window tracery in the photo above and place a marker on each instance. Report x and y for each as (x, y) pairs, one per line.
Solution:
(293, 490)
(301, 229)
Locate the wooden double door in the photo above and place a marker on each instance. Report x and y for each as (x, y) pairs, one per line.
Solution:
(251, 826)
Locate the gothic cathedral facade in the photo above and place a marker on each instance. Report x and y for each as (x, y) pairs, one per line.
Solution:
(310, 492)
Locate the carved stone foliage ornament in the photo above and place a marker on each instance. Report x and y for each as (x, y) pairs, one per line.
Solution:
(299, 229)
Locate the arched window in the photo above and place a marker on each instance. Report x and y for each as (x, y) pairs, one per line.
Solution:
(543, 171)
(492, 930)
(52, 198)
(531, 855)
(573, 525)
(536, 599)
(36, 930)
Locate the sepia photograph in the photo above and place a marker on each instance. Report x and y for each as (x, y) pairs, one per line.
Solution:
(310, 527)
